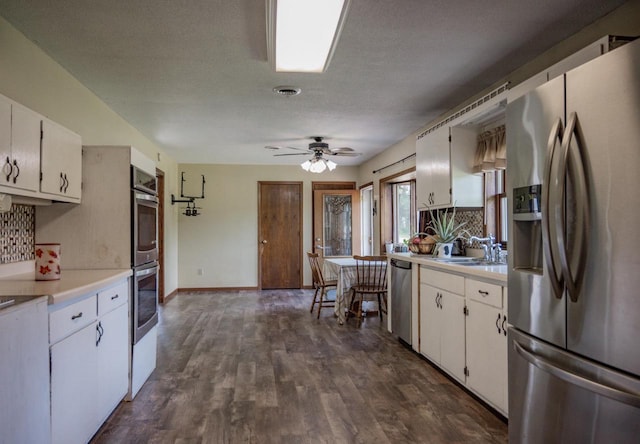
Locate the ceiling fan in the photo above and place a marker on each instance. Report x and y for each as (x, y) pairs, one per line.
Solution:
(318, 149)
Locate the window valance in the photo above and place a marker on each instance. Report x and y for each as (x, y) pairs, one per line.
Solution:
(491, 154)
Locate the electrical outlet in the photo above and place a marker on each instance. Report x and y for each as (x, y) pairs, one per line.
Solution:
(200, 271)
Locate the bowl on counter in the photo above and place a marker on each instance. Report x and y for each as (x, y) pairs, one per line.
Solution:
(425, 246)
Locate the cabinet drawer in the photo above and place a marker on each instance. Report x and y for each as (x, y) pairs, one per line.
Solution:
(482, 292)
(445, 281)
(71, 318)
(112, 297)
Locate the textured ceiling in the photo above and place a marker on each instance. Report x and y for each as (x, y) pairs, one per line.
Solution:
(193, 76)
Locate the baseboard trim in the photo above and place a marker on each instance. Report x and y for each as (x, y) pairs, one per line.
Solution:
(210, 289)
(170, 296)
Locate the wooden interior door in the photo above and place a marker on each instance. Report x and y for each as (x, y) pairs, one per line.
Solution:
(280, 234)
(336, 222)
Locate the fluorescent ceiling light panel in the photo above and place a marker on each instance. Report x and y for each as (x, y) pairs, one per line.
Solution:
(302, 34)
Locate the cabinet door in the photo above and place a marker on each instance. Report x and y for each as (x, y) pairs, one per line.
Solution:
(5, 141)
(433, 179)
(430, 322)
(74, 387)
(452, 339)
(61, 162)
(113, 360)
(24, 374)
(467, 189)
(25, 147)
(487, 353)
(19, 146)
(441, 171)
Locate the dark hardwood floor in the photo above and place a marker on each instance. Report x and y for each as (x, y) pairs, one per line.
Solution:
(257, 367)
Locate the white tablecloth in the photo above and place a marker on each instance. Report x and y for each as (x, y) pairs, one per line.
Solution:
(343, 269)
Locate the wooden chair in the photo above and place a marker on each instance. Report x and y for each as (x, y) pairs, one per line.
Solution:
(325, 295)
(371, 285)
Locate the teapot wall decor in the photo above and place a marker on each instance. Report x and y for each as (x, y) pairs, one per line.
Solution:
(190, 209)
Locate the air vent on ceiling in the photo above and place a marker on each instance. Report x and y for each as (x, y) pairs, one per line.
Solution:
(287, 91)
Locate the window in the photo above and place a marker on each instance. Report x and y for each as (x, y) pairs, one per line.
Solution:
(403, 207)
(397, 207)
(496, 210)
(367, 212)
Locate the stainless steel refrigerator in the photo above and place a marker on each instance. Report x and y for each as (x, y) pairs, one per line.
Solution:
(574, 266)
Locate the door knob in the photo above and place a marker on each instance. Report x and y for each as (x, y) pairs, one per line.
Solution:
(264, 241)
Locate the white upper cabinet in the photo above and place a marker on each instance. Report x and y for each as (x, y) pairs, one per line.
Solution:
(444, 165)
(61, 162)
(38, 157)
(19, 146)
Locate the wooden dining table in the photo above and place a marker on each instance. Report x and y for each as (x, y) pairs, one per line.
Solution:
(343, 269)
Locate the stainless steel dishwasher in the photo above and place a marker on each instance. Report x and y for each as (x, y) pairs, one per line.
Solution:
(401, 299)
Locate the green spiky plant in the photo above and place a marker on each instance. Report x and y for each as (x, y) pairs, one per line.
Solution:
(445, 228)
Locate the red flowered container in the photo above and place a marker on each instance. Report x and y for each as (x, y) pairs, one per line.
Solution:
(47, 262)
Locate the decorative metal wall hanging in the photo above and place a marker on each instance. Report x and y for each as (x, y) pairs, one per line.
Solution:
(191, 209)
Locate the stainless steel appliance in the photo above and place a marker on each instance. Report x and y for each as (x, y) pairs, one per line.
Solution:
(145, 300)
(401, 299)
(145, 217)
(144, 228)
(573, 169)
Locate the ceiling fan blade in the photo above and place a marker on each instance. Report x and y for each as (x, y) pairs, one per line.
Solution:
(293, 154)
(342, 149)
(346, 154)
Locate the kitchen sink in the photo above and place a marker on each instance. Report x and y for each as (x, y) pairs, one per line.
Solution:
(462, 260)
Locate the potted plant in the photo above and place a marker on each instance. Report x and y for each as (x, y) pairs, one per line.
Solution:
(445, 231)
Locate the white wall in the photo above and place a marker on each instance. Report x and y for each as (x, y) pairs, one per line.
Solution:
(223, 240)
(32, 78)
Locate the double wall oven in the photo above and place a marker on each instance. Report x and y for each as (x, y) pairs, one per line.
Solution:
(144, 237)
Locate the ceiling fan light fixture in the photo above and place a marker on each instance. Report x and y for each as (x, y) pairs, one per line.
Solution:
(302, 34)
(318, 165)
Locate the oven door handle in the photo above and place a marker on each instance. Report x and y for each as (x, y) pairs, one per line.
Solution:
(146, 271)
(146, 197)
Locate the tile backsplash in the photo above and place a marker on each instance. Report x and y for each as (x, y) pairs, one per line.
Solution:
(472, 218)
(17, 234)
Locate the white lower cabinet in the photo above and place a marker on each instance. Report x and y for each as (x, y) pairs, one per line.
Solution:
(24, 374)
(442, 337)
(487, 353)
(463, 330)
(113, 365)
(89, 362)
(74, 387)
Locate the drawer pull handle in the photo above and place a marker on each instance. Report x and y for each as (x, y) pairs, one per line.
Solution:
(74, 317)
(483, 293)
(115, 297)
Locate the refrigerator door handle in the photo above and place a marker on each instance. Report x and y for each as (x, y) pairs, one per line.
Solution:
(583, 382)
(549, 245)
(572, 166)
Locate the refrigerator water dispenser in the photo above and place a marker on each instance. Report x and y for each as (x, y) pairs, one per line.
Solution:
(527, 229)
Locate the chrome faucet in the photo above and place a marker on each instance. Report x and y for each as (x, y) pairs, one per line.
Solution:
(490, 248)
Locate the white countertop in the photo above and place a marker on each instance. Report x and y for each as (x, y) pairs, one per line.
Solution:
(495, 273)
(72, 283)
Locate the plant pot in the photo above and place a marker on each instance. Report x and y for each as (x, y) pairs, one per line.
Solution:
(444, 249)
